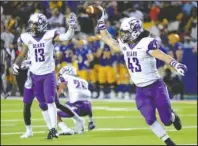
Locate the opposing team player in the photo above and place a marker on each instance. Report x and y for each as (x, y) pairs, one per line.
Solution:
(39, 43)
(139, 52)
(107, 74)
(96, 49)
(79, 98)
(123, 86)
(84, 57)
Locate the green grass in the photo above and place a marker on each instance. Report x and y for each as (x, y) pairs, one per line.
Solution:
(117, 123)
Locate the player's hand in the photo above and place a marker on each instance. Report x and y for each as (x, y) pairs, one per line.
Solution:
(72, 21)
(180, 68)
(25, 64)
(15, 69)
(101, 19)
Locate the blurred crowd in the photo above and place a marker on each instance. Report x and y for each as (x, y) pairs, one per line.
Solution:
(173, 23)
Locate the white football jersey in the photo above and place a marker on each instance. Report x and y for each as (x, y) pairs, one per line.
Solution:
(141, 65)
(77, 88)
(41, 52)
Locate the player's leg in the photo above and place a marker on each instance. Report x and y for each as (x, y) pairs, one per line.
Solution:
(38, 90)
(79, 122)
(102, 81)
(120, 85)
(93, 86)
(67, 112)
(39, 94)
(156, 126)
(163, 105)
(49, 86)
(96, 68)
(111, 80)
(27, 100)
(65, 130)
(125, 79)
(146, 106)
(44, 110)
(85, 109)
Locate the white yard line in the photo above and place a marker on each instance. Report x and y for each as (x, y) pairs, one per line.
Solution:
(99, 117)
(105, 108)
(106, 129)
(7, 125)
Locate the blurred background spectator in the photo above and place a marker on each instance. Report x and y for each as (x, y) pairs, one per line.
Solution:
(174, 23)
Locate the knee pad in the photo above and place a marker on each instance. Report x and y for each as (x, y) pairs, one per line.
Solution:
(43, 106)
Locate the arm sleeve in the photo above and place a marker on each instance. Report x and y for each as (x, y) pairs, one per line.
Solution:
(67, 36)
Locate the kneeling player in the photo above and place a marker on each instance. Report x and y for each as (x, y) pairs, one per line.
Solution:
(79, 97)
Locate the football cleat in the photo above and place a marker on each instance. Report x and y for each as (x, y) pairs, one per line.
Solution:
(177, 122)
(67, 132)
(27, 135)
(79, 126)
(91, 126)
(49, 136)
(54, 133)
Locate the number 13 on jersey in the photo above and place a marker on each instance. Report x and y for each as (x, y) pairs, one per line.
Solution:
(133, 64)
(39, 55)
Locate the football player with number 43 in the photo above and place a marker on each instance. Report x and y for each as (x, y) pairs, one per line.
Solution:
(140, 51)
(39, 43)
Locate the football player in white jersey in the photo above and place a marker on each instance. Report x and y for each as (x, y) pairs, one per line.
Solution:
(79, 98)
(28, 98)
(39, 43)
(140, 51)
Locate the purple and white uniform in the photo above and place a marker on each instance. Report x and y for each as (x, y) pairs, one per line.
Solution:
(151, 92)
(42, 64)
(79, 95)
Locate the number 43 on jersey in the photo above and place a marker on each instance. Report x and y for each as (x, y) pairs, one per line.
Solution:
(133, 64)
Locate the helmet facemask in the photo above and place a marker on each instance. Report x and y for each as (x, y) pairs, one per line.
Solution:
(68, 70)
(130, 30)
(38, 24)
(124, 35)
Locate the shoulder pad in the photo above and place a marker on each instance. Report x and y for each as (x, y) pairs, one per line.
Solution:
(24, 37)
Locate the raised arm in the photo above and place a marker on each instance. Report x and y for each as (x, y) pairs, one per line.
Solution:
(72, 22)
(105, 35)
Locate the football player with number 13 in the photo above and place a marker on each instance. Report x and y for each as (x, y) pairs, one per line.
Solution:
(39, 42)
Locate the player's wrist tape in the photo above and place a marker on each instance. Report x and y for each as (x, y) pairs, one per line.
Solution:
(173, 63)
(101, 25)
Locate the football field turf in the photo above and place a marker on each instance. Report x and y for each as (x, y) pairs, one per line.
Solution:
(117, 122)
